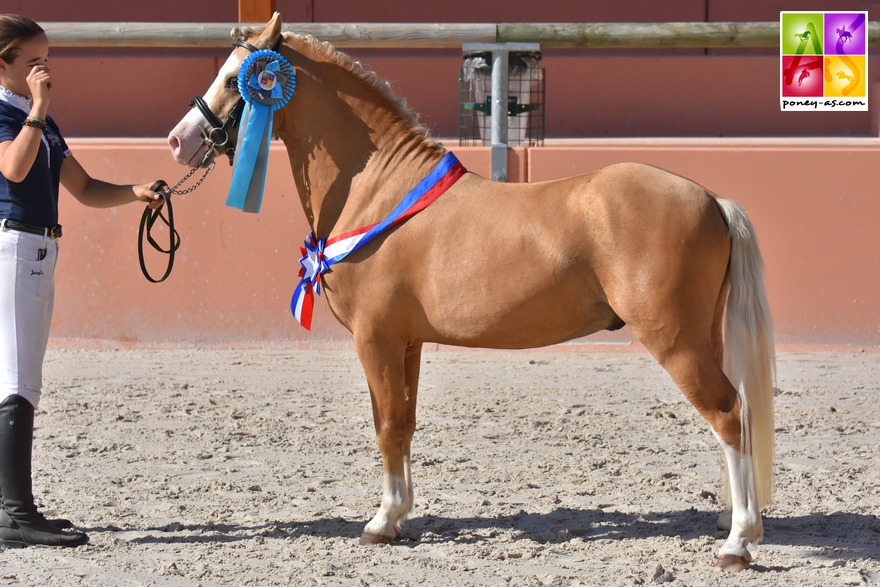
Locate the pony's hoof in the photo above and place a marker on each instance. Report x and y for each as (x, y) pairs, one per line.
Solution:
(730, 563)
(368, 539)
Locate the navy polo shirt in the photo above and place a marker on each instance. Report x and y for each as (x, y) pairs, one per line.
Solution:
(34, 200)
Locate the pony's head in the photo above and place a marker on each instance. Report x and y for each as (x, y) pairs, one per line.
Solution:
(210, 128)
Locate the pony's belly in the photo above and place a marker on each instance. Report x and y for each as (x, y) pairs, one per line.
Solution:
(533, 325)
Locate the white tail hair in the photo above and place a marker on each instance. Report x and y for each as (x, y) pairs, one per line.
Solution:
(749, 354)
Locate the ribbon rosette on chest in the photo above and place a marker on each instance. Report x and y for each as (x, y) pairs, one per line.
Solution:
(266, 82)
(314, 262)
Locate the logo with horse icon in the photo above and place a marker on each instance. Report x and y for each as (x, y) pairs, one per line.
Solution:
(823, 54)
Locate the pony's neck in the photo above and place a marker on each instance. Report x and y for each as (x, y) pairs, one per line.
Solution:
(353, 153)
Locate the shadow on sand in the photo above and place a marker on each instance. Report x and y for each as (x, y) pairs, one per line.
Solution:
(837, 536)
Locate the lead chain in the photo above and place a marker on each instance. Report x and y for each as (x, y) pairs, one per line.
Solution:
(173, 190)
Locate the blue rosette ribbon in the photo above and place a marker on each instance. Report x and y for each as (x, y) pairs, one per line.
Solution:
(266, 82)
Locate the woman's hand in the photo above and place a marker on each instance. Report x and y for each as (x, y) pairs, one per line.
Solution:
(40, 83)
(145, 194)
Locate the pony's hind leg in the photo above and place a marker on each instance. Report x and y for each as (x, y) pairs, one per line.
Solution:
(745, 521)
(392, 374)
(699, 375)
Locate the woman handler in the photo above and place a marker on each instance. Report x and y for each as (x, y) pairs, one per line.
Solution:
(33, 159)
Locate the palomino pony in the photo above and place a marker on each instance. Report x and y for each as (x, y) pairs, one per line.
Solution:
(514, 266)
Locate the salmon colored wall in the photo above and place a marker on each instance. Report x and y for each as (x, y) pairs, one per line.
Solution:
(812, 203)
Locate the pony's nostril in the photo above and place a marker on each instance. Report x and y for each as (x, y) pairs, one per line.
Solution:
(174, 143)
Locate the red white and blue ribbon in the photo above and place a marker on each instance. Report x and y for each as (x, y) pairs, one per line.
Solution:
(321, 254)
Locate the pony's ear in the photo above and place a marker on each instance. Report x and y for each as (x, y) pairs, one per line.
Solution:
(272, 31)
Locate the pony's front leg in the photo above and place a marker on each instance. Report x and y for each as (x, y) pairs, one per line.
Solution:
(392, 373)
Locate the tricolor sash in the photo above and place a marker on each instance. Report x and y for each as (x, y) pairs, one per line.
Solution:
(321, 254)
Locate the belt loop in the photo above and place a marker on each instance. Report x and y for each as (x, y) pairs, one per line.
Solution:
(3, 225)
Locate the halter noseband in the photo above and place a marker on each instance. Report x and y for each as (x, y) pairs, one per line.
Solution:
(218, 133)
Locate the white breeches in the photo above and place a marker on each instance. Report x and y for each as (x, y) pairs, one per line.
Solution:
(27, 297)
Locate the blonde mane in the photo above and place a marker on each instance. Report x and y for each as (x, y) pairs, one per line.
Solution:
(326, 53)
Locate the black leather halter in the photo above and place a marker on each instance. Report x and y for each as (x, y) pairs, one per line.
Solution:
(218, 134)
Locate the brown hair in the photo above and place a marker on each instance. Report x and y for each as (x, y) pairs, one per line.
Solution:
(15, 29)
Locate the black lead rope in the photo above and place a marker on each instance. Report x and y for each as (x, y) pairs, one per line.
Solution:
(148, 219)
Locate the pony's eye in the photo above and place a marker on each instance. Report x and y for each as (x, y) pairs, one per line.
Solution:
(232, 84)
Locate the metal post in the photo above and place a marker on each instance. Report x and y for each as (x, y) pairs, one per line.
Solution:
(499, 114)
(500, 86)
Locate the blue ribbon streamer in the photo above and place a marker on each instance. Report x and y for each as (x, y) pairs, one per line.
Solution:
(255, 130)
(246, 177)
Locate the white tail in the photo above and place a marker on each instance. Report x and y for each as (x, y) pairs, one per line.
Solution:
(749, 356)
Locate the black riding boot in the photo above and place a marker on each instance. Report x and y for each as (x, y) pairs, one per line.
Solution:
(16, 444)
(7, 522)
